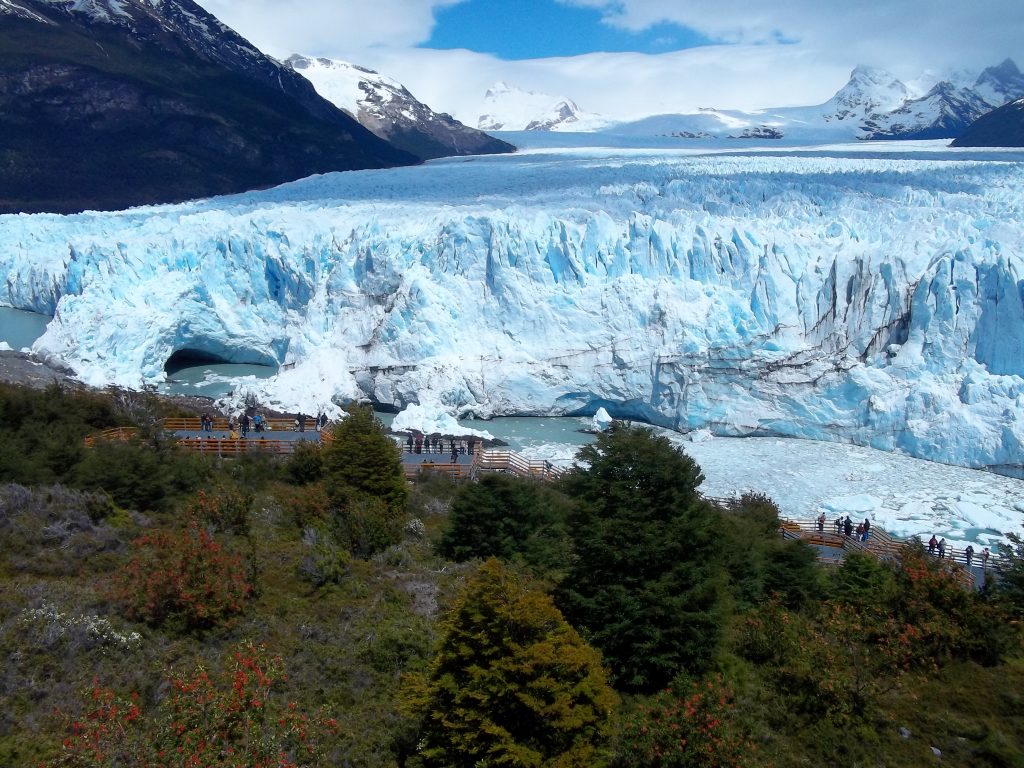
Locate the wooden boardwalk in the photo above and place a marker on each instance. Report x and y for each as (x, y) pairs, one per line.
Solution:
(833, 547)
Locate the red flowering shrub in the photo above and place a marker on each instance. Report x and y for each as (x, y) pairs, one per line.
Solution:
(225, 507)
(685, 726)
(181, 578)
(228, 720)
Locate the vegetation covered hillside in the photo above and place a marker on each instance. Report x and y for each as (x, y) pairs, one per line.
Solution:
(162, 609)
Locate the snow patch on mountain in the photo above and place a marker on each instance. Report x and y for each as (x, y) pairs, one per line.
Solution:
(507, 108)
(872, 298)
(387, 108)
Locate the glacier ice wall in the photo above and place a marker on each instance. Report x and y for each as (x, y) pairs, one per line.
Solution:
(874, 298)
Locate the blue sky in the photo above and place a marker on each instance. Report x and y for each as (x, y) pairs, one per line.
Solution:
(534, 29)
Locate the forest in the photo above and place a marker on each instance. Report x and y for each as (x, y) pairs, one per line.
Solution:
(161, 608)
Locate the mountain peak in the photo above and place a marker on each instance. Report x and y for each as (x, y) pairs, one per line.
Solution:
(1001, 83)
(387, 108)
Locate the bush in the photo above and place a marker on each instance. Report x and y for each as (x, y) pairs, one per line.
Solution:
(186, 580)
(225, 507)
(689, 725)
(224, 720)
(54, 531)
(507, 517)
(305, 465)
(324, 562)
(368, 524)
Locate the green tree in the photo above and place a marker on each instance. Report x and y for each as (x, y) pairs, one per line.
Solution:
(365, 484)
(762, 564)
(1010, 584)
(362, 459)
(508, 517)
(512, 684)
(644, 584)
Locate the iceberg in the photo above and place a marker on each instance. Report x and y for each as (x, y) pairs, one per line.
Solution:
(834, 293)
(602, 420)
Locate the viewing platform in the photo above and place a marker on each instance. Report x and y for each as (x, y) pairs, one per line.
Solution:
(833, 547)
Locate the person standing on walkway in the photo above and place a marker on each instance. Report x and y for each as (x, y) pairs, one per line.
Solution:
(821, 523)
(932, 544)
(969, 554)
(408, 444)
(984, 558)
(942, 548)
(848, 526)
(302, 422)
(867, 530)
(245, 424)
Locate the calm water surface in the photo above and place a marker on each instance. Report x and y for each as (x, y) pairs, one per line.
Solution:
(19, 328)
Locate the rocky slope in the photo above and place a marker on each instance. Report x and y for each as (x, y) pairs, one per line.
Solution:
(107, 104)
(385, 107)
(1003, 127)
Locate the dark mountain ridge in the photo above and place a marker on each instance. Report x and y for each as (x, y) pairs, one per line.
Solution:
(1002, 127)
(107, 104)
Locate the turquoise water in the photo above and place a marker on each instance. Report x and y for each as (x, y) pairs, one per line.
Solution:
(213, 379)
(19, 328)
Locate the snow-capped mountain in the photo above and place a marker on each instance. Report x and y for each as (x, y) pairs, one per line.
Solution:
(1000, 84)
(815, 294)
(943, 113)
(1002, 127)
(507, 108)
(111, 103)
(386, 107)
(874, 104)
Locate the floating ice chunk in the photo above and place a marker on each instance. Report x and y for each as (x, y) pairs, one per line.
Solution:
(861, 502)
(602, 420)
(430, 420)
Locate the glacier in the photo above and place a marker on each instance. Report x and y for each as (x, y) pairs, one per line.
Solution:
(867, 295)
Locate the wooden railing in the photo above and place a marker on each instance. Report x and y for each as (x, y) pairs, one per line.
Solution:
(883, 545)
(492, 460)
(414, 470)
(117, 433)
(227, 447)
(220, 424)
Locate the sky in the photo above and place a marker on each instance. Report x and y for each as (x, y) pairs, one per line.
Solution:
(632, 58)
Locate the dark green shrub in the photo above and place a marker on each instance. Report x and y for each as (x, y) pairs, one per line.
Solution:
(508, 517)
(305, 465)
(364, 460)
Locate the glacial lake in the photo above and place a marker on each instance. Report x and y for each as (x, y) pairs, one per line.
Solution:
(20, 329)
(212, 379)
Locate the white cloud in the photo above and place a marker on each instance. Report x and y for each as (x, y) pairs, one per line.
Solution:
(750, 70)
(890, 33)
(320, 27)
(618, 85)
